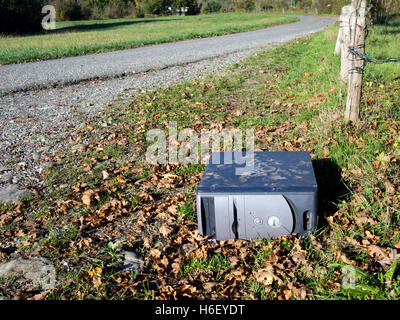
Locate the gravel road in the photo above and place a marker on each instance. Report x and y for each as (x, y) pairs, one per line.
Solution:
(35, 124)
(127, 62)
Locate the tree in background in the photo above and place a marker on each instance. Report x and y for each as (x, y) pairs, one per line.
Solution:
(20, 15)
(119, 8)
(69, 10)
(93, 9)
(156, 7)
(244, 5)
(211, 6)
(191, 6)
(382, 9)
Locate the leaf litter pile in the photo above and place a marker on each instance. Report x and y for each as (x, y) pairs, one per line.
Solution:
(102, 198)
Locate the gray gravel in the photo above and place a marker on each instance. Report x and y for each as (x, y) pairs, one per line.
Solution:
(112, 64)
(36, 124)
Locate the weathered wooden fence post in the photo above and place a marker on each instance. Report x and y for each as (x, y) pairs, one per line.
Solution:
(357, 42)
(343, 42)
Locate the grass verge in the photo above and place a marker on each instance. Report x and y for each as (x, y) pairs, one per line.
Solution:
(85, 37)
(291, 96)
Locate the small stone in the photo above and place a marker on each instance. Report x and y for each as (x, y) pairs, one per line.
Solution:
(4, 168)
(188, 248)
(35, 156)
(6, 177)
(132, 262)
(38, 270)
(43, 149)
(11, 193)
(21, 166)
(76, 147)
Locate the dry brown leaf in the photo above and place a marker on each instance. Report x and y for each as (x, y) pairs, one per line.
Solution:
(272, 258)
(120, 179)
(172, 209)
(340, 256)
(301, 293)
(266, 276)
(353, 242)
(187, 290)
(356, 172)
(234, 261)
(361, 219)
(389, 188)
(155, 253)
(40, 296)
(176, 268)
(377, 251)
(86, 198)
(165, 230)
(285, 293)
(20, 233)
(392, 256)
(164, 261)
(277, 102)
(209, 285)
(96, 281)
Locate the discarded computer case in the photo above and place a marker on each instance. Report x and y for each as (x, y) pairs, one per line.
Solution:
(257, 195)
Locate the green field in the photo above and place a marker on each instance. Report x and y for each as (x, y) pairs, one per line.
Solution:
(85, 37)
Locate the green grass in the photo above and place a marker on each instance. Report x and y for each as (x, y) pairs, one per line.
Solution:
(292, 97)
(85, 37)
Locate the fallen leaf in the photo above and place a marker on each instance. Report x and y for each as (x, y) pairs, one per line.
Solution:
(340, 256)
(164, 261)
(105, 174)
(356, 172)
(176, 268)
(155, 253)
(234, 261)
(266, 276)
(277, 102)
(86, 198)
(96, 281)
(389, 188)
(120, 179)
(40, 296)
(377, 251)
(165, 230)
(20, 233)
(209, 285)
(187, 290)
(285, 293)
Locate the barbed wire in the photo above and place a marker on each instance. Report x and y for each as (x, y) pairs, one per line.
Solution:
(369, 58)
